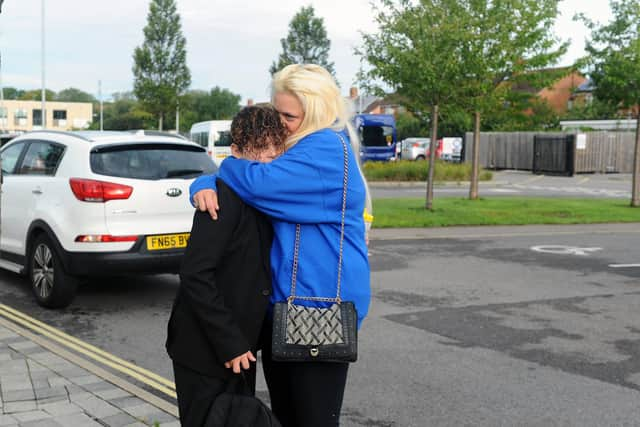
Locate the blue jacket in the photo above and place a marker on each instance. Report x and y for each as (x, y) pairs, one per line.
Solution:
(305, 186)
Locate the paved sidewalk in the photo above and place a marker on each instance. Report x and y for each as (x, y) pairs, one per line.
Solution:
(39, 388)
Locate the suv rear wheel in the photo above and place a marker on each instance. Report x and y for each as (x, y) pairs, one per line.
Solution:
(51, 285)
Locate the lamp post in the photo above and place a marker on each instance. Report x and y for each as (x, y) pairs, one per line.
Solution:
(100, 96)
(1, 87)
(43, 112)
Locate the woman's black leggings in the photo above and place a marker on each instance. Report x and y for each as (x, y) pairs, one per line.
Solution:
(304, 394)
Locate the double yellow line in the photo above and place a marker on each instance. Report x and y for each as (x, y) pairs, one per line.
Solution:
(140, 374)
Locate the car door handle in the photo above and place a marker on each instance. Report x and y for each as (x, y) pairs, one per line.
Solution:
(37, 190)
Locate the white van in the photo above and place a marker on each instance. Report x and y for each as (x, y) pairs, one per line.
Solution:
(214, 136)
(451, 149)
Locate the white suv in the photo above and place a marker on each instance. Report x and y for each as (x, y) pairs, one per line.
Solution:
(82, 204)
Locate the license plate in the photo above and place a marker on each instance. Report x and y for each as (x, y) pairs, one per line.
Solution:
(167, 241)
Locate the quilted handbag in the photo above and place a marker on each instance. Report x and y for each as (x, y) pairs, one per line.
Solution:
(304, 333)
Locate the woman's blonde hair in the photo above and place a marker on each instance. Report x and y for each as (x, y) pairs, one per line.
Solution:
(317, 91)
(323, 105)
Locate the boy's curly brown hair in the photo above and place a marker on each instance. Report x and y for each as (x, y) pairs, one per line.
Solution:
(256, 128)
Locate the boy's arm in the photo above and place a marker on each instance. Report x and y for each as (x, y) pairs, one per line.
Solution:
(198, 282)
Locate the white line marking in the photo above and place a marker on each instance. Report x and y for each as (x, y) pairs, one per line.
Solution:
(564, 250)
(623, 265)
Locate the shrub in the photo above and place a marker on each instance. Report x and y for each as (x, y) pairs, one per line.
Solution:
(408, 170)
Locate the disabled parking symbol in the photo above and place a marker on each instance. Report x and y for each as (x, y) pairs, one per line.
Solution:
(564, 250)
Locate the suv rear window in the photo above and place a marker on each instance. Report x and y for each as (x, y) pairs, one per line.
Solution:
(151, 161)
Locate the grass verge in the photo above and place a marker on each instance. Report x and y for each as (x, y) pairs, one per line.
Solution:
(407, 170)
(450, 211)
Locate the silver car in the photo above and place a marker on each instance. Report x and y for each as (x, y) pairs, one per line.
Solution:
(414, 148)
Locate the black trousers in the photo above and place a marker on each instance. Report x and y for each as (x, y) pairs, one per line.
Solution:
(303, 394)
(196, 392)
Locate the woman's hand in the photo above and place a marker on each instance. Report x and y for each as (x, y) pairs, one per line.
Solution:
(240, 362)
(207, 200)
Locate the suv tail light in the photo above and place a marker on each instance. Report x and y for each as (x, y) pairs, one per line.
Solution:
(90, 190)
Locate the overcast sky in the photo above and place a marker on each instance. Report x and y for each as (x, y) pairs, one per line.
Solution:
(230, 43)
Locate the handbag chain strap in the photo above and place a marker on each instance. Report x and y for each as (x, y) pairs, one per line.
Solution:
(296, 247)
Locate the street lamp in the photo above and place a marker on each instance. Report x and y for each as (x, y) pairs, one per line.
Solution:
(44, 115)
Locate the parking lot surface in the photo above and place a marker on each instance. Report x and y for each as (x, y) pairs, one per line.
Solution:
(469, 326)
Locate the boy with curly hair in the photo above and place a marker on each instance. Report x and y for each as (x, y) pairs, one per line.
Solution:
(225, 281)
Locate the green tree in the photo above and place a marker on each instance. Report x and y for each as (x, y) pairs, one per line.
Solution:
(465, 53)
(74, 95)
(12, 92)
(595, 109)
(508, 44)
(160, 67)
(124, 113)
(416, 53)
(36, 95)
(223, 103)
(613, 63)
(407, 125)
(306, 42)
(200, 105)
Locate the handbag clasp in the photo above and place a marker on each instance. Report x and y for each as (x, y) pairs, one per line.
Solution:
(313, 351)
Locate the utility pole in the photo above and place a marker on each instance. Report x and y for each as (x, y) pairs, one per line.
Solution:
(2, 93)
(178, 118)
(44, 114)
(100, 97)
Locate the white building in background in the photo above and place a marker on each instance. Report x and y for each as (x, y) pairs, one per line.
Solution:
(23, 116)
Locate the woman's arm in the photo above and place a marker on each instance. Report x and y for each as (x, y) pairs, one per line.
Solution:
(295, 186)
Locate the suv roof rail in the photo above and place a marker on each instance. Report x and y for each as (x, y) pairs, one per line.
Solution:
(59, 132)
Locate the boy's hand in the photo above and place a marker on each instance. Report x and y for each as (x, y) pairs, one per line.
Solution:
(240, 362)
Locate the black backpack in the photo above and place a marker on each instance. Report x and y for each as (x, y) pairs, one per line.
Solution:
(236, 407)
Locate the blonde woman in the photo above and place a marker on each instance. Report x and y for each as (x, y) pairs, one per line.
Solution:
(305, 186)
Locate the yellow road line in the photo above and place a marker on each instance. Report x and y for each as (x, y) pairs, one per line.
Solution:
(147, 377)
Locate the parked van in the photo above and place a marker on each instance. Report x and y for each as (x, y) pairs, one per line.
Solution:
(377, 136)
(451, 149)
(214, 136)
(418, 149)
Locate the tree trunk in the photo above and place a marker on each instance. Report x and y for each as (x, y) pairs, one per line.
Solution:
(433, 147)
(475, 159)
(160, 122)
(635, 191)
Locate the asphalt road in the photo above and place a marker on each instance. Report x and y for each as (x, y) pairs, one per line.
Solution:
(478, 326)
(518, 183)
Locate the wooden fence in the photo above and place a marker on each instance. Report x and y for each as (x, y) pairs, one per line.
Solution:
(601, 152)
(605, 152)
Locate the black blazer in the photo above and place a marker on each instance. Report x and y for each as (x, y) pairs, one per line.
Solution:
(225, 286)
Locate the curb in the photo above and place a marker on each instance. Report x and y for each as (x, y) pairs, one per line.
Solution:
(423, 184)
